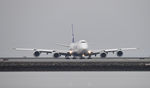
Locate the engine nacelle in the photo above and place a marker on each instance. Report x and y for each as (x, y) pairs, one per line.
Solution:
(103, 55)
(56, 55)
(36, 53)
(119, 53)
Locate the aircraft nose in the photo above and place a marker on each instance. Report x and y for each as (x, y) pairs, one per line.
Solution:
(84, 46)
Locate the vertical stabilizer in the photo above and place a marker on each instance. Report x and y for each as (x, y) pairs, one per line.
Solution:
(72, 34)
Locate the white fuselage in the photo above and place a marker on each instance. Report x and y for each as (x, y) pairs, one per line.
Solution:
(79, 48)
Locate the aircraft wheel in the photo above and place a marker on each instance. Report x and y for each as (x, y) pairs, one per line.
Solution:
(74, 57)
(82, 57)
(89, 57)
(67, 57)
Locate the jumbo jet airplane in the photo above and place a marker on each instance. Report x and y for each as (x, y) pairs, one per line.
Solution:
(77, 49)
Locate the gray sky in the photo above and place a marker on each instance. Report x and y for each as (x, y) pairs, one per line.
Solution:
(103, 23)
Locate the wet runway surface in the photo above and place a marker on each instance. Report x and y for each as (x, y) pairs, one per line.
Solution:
(62, 64)
(51, 59)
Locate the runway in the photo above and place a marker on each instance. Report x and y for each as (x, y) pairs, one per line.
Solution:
(62, 64)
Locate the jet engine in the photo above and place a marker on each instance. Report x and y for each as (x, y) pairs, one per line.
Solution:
(56, 55)
(119, 53)
(103, 55)
(36, 53)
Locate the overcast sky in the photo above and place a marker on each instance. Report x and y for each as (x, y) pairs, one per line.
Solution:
(103, 23)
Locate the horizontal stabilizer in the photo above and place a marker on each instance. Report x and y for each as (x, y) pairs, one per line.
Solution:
(62, 45)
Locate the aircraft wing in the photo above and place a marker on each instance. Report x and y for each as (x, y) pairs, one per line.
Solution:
(63, 52)
(115, 50)
(106, 51)
(34, 49)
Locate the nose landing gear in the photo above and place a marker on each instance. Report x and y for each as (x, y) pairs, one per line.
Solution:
(89, 57)
(67, 57)
(74, 57)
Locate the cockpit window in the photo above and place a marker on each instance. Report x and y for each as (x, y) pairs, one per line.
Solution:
(83, 41)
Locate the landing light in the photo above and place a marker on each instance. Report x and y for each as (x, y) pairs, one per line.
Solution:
(70, 52)
(89, 52)
(83, 55)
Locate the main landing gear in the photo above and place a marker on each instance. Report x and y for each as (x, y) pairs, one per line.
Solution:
(76, 57)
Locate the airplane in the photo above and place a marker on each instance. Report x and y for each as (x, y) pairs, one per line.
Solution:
(77, 49)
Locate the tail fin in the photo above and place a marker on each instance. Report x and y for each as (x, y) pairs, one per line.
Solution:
(72, 34)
